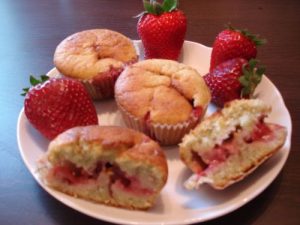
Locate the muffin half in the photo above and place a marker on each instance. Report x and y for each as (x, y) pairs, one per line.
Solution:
(228, 145)
(110, 165)
(96, 57)
(162, 98)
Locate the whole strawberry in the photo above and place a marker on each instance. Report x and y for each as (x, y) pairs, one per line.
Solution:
(233, 79)
(55, 105)
(162, 29)
(233, 43)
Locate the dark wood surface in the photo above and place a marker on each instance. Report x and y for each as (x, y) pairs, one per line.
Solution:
(29, 33)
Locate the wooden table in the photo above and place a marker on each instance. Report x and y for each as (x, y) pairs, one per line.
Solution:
(30, 31)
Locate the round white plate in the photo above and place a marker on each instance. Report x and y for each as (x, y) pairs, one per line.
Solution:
(175, 205)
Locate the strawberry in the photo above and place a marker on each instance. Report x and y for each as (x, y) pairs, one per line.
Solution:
(233, 79)
(162, 29)
(55, 105)
(233, 43)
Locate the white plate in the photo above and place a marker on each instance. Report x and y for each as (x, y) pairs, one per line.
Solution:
(175, 204)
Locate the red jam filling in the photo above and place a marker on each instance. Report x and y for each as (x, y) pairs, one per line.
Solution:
(198, 164)
(220, 153)
(111, 74)
(147, 118)
(133, 186)
(197, 112)
(73, 175)
(262, 131)
(147, 122)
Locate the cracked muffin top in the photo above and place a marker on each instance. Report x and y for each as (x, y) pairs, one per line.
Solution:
(162, 91)
(88, 53)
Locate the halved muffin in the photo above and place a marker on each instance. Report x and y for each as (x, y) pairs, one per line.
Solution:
(96, 57)
(162, 98)
(110, 165)
(230, 144)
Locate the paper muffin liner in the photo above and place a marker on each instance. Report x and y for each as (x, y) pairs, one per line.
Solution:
(100, 90)
(102, 85)
(165, 134)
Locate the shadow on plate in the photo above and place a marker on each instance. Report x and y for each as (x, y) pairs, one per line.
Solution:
(61, 213)
(251, 212)
(35, 136)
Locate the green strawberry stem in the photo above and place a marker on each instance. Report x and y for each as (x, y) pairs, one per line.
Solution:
(252, 76)
(254, 37)
(157, 8)
(34, 81)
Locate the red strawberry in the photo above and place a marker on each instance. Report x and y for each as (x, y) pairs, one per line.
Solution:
(233, 79)
(162, 29)
(57, 105)
(233, 43)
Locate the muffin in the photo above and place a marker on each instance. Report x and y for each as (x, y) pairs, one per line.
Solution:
(162, 98)
(230, 144)
(110, 165)
(96, 58)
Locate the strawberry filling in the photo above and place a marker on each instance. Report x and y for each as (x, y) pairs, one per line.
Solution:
(73, 175)
(198, 164)
(261, 132)
(197, 112)
(104, 82)
(69, 175)
(220, 153)
(147, 120)
(112, 73)
(133, 186)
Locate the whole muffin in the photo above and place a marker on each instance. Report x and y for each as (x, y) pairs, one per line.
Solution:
(96, 57)
(111, 165)
(162, 98)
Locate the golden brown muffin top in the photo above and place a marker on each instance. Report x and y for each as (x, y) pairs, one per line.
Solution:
(88, 53)
(86, 145)
(164, 90)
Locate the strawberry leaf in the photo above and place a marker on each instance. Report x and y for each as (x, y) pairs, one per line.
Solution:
(169, 5)
(34, 81)
(260, 70)
(44, 78)
(252, 76)
(156, 8)
(153, 7)
(25, 90)
(148, 7)
(253, 37)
